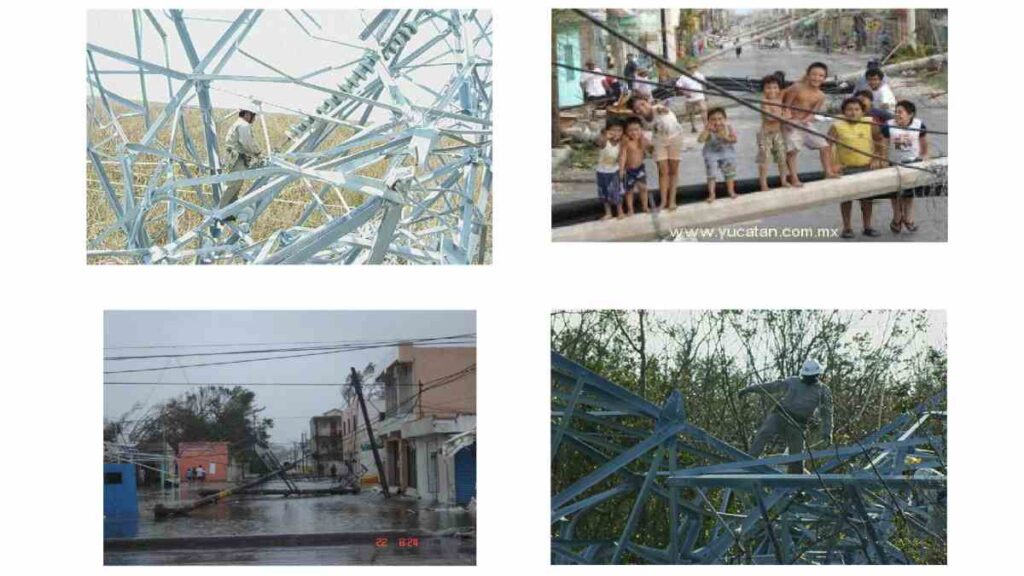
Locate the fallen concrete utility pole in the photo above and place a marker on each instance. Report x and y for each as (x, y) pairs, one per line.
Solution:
(167, 511)
(925, 62)
(586, 209)
(760, 34)
(750, 207)
(286, 491)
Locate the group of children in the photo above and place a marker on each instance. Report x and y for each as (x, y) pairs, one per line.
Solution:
(856, 141)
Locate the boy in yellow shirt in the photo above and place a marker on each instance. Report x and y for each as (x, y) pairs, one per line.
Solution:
(854, 132)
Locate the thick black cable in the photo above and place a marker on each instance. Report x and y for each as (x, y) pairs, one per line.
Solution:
(751, 100)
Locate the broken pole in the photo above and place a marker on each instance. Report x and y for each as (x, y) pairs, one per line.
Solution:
(164, 511)
(357, 382)
(754, 206)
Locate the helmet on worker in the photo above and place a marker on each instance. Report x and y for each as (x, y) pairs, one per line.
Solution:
(811, 370)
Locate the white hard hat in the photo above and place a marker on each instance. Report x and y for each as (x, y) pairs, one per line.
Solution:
(811, 367)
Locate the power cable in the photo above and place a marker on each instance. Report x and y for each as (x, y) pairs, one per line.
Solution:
(249, 360)
(751, 100)
(304, 348)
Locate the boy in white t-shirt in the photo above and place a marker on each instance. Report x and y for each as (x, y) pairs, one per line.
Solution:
(692, 91)
(592, 82)
(882, 96)
(909, 139)
(609, 183)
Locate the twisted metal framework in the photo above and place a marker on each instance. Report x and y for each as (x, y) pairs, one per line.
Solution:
(722, 505)
(427, 204)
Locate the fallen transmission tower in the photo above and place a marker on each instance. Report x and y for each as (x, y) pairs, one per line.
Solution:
(720, 505)
(393, 165)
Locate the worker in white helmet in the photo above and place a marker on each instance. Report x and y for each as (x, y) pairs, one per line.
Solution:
(794, 401)
(242, 152)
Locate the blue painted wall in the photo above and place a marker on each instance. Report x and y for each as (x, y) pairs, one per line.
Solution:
(119, 491)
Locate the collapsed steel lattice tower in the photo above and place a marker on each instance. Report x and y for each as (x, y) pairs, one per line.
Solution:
(429, 141)
(724, 506)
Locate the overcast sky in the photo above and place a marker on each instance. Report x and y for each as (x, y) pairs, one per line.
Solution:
(292, 407)
(873, 323)
(275, 39)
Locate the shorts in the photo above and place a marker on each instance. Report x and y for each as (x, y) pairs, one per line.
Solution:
(633, 177)
(720, 166)
(771, 145)
(907, 193)
(668, 148)
(797, 139)
(609, 188)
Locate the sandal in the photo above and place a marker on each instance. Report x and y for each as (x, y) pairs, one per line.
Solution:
(894, 226)
(871, 232)
(910, 226)
(848, 233)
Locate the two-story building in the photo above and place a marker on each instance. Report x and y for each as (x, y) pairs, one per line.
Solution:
(430, 397)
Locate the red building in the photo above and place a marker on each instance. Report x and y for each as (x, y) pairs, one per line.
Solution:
(212, 456)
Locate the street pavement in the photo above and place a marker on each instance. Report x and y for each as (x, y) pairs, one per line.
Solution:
(930, 213)
(439, 552)
(365, 512)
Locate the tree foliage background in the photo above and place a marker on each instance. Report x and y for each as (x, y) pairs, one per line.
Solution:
(206, 414)
(878, 364)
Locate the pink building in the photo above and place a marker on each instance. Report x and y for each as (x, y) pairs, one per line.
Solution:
(212, 456)
(430, 398)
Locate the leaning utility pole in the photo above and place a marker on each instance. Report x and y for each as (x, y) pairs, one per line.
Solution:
(357, 383)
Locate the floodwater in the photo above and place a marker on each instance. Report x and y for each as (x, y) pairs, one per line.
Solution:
(366, 512)
(436, 552)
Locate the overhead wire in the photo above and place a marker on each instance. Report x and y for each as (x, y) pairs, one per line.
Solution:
(751, 100)
(262, 358)
(382, 343)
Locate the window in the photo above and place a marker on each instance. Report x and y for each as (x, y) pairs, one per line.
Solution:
(112, 478)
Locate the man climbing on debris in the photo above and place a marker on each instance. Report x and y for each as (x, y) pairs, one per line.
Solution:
(242, 153)
(793, 403)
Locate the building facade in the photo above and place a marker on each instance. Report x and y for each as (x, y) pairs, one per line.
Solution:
(326, 443)
(214, 457)
(356, 443)
(430, 398)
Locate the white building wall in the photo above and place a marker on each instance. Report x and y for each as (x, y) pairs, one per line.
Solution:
(435, 474)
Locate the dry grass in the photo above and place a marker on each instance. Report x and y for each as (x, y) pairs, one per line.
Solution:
(283, 213)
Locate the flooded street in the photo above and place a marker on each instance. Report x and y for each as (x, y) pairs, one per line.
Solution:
(357, 521)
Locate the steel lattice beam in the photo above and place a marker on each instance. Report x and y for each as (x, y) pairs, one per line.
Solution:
(725, 506)
(428, 137)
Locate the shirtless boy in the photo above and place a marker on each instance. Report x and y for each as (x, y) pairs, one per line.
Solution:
(808, 97)
(631, 164)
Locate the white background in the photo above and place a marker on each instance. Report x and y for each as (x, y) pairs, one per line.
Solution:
(52, 317)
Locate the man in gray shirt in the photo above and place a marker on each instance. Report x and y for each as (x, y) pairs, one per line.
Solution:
(794, 401)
